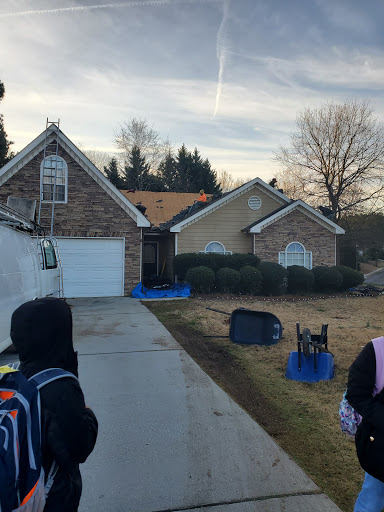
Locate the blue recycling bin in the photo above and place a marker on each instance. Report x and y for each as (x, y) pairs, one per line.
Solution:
(325, 367)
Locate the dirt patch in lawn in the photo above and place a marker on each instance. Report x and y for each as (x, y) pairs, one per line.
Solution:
(303, 418)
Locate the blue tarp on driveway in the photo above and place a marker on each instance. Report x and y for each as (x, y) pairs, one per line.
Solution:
(176, 290)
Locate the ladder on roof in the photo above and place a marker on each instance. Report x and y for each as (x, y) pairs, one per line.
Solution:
(51, 149)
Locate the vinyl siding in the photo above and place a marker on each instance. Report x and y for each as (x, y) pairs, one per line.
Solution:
(225, 224)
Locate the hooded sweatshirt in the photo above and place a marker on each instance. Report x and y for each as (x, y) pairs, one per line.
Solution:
(41, 331)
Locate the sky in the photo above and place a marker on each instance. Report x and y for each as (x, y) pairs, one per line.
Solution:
(226, 76)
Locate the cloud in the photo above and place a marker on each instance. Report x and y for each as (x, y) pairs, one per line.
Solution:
(82, 8)
(222, 52)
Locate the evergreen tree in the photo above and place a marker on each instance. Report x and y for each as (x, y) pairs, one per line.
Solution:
(136, 171)
(194, 173)
(5, 144)
(184, 170)
(209, 178)
(167, 172)
(112, 173)
(196, 178)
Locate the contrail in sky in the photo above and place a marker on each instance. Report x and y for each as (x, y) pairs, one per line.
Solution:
(222, 51)
(105, 6)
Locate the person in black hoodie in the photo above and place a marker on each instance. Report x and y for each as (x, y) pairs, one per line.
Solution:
(41, 331)
(369, 437)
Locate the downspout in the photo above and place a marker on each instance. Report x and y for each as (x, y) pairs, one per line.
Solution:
(335, 249)
(141, 260)
(141, 254)
(175, 254)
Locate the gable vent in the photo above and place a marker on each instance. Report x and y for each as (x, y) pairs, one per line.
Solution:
(254, 202)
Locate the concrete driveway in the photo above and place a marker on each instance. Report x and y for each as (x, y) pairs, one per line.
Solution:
(375, 277)
(169, 438)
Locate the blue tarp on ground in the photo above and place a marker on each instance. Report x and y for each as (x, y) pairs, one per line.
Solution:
(176, 290)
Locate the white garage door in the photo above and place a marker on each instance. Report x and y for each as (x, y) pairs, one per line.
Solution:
(92, 267)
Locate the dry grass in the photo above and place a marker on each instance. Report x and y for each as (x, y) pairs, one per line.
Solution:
(310, 432)
(366, 268)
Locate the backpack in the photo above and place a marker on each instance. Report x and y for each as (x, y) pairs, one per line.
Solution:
(23, 486)
(349, 418)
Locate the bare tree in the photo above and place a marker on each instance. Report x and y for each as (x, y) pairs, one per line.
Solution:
(337, 156)
(100, 159)
(137, 133)
(292, 186)
(227, 182)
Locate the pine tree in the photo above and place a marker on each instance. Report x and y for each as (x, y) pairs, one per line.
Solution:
(209, 178)
(112, 173)
(136, 171)
(5, 144)
(194, 173)
(184, 170)
(167, 172)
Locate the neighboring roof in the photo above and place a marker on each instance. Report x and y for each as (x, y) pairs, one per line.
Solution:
(185, 219)
(272, 217)
(37, 145)
(161, 206)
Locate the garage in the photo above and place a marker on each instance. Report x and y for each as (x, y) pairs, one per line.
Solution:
(92, 267)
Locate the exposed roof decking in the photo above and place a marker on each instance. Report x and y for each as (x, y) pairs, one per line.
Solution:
(161, 207)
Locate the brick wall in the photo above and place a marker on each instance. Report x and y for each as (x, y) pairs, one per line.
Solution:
(296, 227)
(90, 211)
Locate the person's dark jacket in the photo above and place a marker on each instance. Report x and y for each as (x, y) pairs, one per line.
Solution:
(41, 331)
(369, 438)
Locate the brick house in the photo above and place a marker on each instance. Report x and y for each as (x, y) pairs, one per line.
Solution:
(254, 218)
(99, 231)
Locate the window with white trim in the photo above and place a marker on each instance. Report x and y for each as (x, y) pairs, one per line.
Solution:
(49, 167)
(254, 202)
(295, 254)
(216, 247)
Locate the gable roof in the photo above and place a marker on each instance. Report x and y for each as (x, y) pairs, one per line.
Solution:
(37, 145)
(161, 206)
(193, 216)
(256, 227)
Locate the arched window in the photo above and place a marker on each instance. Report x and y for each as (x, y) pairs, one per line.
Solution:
(295, 254)
(49, 167)
(149, 255)
(215, 247)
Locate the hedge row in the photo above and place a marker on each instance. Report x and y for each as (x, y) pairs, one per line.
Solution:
(273, 279)
(183, 262)
(228, 280)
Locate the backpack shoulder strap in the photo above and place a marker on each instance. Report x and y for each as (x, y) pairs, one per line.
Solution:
(51, 374)
(378, 345)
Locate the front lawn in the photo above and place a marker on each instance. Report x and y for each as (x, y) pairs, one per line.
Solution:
(301, 417)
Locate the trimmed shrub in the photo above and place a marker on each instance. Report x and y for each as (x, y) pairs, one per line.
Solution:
(202, 279)
(351, 277)
(183, 262)
(327, 279)
(274, 278)
(227, 280)
(300, 279)
(238, 260)
(250, 280)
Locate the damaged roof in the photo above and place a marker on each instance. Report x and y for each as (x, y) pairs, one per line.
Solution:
(161, 207)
